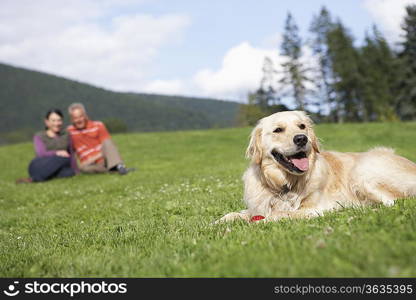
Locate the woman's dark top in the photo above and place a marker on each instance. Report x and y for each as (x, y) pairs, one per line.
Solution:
(47, 146)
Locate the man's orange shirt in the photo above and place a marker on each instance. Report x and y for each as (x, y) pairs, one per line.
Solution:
(87, 142)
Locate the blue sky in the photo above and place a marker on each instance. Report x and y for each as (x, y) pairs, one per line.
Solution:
(197, 48)
(219, 25)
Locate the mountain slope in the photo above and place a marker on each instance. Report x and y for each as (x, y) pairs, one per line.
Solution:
(26, 95)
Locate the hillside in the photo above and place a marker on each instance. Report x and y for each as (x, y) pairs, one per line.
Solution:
(155, 222)
(26, 95)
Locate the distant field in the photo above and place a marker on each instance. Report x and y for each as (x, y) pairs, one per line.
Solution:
(156, 222)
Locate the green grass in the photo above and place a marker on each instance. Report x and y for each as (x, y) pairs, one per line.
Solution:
(155, 222)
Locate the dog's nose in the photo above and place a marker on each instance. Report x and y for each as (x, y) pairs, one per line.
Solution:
(300, 140)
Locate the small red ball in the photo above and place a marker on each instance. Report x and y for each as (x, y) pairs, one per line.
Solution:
(256, 218)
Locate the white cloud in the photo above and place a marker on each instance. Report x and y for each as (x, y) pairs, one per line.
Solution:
(240, 72)
(389, 14)
(81, 39)
(108, 44)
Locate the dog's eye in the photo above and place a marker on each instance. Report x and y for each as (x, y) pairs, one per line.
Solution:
(278, 129)
(302, 126)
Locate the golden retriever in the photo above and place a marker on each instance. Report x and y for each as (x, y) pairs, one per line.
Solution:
(289, 177)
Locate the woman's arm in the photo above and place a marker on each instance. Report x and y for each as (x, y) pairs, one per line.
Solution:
(40, 148)
(72, 156)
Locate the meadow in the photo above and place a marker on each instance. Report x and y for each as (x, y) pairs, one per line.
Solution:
(156, 222)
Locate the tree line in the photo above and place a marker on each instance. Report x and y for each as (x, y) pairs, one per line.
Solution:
(345, 83)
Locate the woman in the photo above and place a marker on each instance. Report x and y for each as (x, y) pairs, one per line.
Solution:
(54, 155)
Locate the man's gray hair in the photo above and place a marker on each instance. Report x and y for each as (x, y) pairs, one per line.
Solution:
(77, 105)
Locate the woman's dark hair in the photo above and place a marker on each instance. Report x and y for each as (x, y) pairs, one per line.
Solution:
(56, 111)
(53, 111)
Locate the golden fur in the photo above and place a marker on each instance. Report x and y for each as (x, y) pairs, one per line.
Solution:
(333, 180)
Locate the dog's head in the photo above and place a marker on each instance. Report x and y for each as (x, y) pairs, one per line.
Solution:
(287, 138)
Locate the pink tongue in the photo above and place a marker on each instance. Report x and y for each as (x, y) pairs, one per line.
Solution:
(301, 163)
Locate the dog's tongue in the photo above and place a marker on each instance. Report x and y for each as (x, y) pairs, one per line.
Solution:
(300, 163)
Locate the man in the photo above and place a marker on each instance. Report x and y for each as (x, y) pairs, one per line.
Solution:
(92, 143)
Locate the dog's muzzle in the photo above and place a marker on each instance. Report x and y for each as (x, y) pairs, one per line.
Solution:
(298, 163)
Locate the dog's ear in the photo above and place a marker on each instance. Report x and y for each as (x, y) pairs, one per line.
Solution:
(315, 142)
(254, 149)
(312, 136)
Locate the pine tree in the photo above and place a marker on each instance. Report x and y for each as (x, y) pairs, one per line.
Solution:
(248, 114)
(266, 94)
(320, 27)
(264, 100)
(379, 76)
(345, 67)
(294, 73)
(406, 100)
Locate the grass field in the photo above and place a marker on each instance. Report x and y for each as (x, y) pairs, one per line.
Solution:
(155, 222)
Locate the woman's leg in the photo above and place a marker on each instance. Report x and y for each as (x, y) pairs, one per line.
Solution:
(44, 168)
(65, 172)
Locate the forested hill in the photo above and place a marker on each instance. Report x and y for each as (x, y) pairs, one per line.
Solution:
(26, 95)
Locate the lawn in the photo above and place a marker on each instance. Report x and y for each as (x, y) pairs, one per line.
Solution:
(156, 222)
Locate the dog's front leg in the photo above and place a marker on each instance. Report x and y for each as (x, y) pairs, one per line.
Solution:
(242, 215)
(277, 215)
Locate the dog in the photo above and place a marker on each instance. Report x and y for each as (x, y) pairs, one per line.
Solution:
(289, 176)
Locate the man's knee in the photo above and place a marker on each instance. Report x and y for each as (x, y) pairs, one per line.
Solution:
(111, 154)
(93, 168)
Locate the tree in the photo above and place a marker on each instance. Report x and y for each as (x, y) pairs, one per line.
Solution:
(406, 99)
(115, 125)
(263, 101)
(345, 67)
(249, 114)
(294, 73)
(320, 27)
(266, 94)
(379, 77)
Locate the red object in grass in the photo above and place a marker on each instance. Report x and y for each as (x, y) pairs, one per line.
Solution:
(256, 218)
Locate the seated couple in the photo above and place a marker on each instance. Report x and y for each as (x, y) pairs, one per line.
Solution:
(57, 150)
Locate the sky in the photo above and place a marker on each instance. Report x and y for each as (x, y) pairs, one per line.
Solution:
(212, 49)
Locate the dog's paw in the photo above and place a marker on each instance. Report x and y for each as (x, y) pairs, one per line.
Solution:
(230, 217)
(275, 217)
